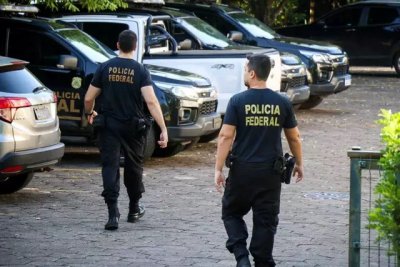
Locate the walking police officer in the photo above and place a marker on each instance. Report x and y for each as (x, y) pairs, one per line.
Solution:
(253, 123)
(122, 84)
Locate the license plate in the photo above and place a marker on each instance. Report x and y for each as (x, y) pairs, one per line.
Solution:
(217, 123)
(41, 112)
(347, 81)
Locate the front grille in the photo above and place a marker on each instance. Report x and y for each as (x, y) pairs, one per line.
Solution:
(341, 70)
(208, 107)
(297, 81)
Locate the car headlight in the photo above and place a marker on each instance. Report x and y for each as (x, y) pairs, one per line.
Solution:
(317, 57)
(183, 92)
(294, 70)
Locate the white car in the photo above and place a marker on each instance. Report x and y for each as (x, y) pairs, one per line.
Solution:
(29, 127)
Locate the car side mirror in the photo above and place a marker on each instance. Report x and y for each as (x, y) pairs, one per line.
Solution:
(235, 36)
(185, 44)
(68, 62)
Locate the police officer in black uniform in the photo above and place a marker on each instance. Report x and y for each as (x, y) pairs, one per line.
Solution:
(253, 122)
(122, 84)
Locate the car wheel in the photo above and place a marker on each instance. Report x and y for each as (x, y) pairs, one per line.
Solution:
(169, 151)
(396, 63)
(312, 102)
(209, 137)
(296, 106)
(14, 183)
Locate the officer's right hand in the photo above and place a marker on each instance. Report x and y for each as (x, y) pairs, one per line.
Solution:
(91, 117)
(163, 139)
(298, 172)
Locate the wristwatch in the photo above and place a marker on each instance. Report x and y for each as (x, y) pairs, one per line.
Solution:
(89, 114)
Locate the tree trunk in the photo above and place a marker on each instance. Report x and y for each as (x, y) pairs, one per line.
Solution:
(265, 10)
(312, 11)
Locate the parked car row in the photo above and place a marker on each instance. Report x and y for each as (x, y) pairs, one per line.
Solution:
(63, 52)
(327, 65)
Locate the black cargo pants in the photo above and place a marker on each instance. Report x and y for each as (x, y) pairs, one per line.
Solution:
(114, 137)
(252, 186)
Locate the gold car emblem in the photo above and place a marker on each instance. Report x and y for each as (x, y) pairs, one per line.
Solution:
(76, 82)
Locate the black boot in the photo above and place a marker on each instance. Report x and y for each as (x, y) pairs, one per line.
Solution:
(136, 212)
(113, 217)
(243, 261)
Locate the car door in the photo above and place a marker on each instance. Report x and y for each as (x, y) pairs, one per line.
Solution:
(377, 35)
(44, 54)
(340, 28)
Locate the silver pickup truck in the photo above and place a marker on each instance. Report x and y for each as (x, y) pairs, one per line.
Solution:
(224, 68)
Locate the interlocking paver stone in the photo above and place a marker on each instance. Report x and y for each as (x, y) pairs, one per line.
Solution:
(59, 219)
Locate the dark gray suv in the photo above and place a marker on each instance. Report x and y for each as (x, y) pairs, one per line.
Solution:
(369, 31)
(29, 128)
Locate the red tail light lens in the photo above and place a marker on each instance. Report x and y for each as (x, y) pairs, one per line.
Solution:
(12, 169)
(8, 106)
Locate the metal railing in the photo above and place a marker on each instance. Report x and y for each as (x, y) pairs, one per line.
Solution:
(364, 250)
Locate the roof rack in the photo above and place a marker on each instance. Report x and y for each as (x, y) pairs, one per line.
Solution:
(157, 2)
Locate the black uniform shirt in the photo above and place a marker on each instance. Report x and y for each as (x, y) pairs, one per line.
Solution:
(120, 81)
(259, 116)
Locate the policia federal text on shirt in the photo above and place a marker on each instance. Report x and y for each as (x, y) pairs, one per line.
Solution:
(252, 130)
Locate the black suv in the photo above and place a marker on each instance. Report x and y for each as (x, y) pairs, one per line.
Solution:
(64, 58)
(368, 31)
(327, 65)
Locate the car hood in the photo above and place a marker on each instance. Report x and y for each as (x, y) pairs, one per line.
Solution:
(175, 76)
(309, 45)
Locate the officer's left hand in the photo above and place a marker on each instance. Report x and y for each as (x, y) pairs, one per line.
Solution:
(219, 180)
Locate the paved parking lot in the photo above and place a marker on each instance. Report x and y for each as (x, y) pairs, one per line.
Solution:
(58, 220)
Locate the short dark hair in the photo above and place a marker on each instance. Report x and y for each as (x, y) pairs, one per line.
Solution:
(260, 64)
(127, 40)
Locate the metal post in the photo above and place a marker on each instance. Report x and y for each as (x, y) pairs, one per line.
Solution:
(355, 213)
(358, 160)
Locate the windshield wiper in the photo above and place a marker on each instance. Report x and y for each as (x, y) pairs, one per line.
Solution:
(39, 88)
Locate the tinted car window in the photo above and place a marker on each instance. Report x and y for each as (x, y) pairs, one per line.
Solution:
(18, 81)
(86, 45)
(42, 50)
(204, 32)
(382, 15)
(2, 40)
(253, 25)
(97, 29)
(348, 17)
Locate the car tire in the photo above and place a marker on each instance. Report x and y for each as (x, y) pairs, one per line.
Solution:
(312, 102)
(396, 63)
(14, 183)
(169, 151)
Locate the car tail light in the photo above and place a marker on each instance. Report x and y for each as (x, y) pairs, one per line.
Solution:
(8, 106)
(12, 169)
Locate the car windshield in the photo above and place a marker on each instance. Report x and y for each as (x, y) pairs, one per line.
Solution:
(87, 45)
(253, 25)
(206, 33)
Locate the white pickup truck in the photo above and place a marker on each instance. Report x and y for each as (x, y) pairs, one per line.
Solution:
(224, 68)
